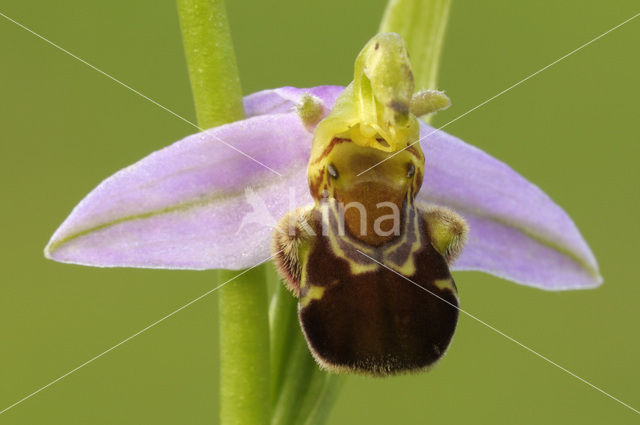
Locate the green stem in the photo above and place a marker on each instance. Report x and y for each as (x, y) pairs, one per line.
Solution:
(244, 326)
(422, 24)
(211, 61)
(298, 383)
(319, 413)
(284, 325)
(244, 349)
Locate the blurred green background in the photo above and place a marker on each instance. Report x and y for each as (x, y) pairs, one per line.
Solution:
(571, 129)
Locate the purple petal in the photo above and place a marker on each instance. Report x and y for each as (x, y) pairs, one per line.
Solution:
(517, 231)
(186, 206)
(285, 99)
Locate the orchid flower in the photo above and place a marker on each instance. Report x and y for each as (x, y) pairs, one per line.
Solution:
(181, 207)
(213, 199)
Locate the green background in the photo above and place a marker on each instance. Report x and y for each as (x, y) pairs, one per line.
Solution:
(571, 130)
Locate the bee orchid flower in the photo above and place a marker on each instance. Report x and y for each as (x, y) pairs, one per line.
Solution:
(211, 200)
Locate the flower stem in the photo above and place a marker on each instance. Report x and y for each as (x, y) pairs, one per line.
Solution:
(244, 325)
(422, 24)
(283, 322)
(319, 413)
(244, 349)
(211, 61)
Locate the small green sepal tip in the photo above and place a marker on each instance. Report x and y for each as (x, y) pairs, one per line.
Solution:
(428, 102)
(310, 110)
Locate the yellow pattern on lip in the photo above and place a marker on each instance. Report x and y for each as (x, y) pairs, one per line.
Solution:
(445, 284)
(314, 293)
